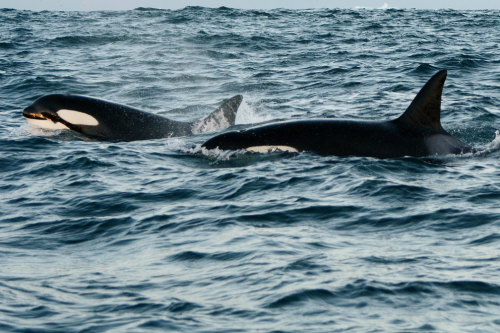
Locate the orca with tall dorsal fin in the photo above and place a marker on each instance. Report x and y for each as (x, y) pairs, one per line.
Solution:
(111, 121)
(418, 133)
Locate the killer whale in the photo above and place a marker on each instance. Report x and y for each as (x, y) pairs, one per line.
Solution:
(105, 120)
(417, 132)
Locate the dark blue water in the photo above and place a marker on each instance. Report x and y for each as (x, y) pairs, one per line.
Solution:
(161, 236)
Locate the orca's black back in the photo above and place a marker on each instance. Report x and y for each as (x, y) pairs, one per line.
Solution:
(117, 121)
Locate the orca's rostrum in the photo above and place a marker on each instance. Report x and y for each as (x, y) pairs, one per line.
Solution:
(417, 132)
(111, 121)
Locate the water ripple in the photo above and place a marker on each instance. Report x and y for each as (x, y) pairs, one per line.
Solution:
(164, 235)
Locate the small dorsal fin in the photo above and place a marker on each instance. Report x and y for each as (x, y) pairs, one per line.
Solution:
(223, 117)
(425, 110)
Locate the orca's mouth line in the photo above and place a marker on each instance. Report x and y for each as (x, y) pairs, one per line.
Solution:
(47, 116)
(54, 118)
(34, 116)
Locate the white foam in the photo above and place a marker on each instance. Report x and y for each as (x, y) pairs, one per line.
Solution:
(218, 154)
(384, 6)
(216, 122)
(493, 146)
(45, 124)
(176, 144)
(27, 129)
(248, 115)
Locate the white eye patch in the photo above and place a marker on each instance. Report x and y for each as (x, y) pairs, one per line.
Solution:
(77, 118)
(270, 149)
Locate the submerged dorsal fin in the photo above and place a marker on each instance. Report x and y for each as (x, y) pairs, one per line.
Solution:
(425, 110)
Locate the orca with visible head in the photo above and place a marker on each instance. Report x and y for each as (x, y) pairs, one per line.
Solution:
(418, 133)
(110, 121)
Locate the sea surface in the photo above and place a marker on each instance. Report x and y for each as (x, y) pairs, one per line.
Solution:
(164, 236)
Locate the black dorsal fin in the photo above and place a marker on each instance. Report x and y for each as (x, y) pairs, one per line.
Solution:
(425, 110)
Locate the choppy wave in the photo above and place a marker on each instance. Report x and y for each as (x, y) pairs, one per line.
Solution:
(166, 235)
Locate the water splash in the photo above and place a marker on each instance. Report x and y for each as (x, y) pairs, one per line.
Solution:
(492, 147)
(177, 144)
(384, 6)
(248, 115)
(30, 130)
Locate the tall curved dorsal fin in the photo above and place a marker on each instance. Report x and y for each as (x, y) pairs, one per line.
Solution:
(425, 110)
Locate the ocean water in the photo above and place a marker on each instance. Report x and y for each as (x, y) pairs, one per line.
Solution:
(162, 236)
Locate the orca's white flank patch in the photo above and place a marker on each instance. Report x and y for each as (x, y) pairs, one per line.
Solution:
(46, 124)
(77, 118)
(271, 149)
